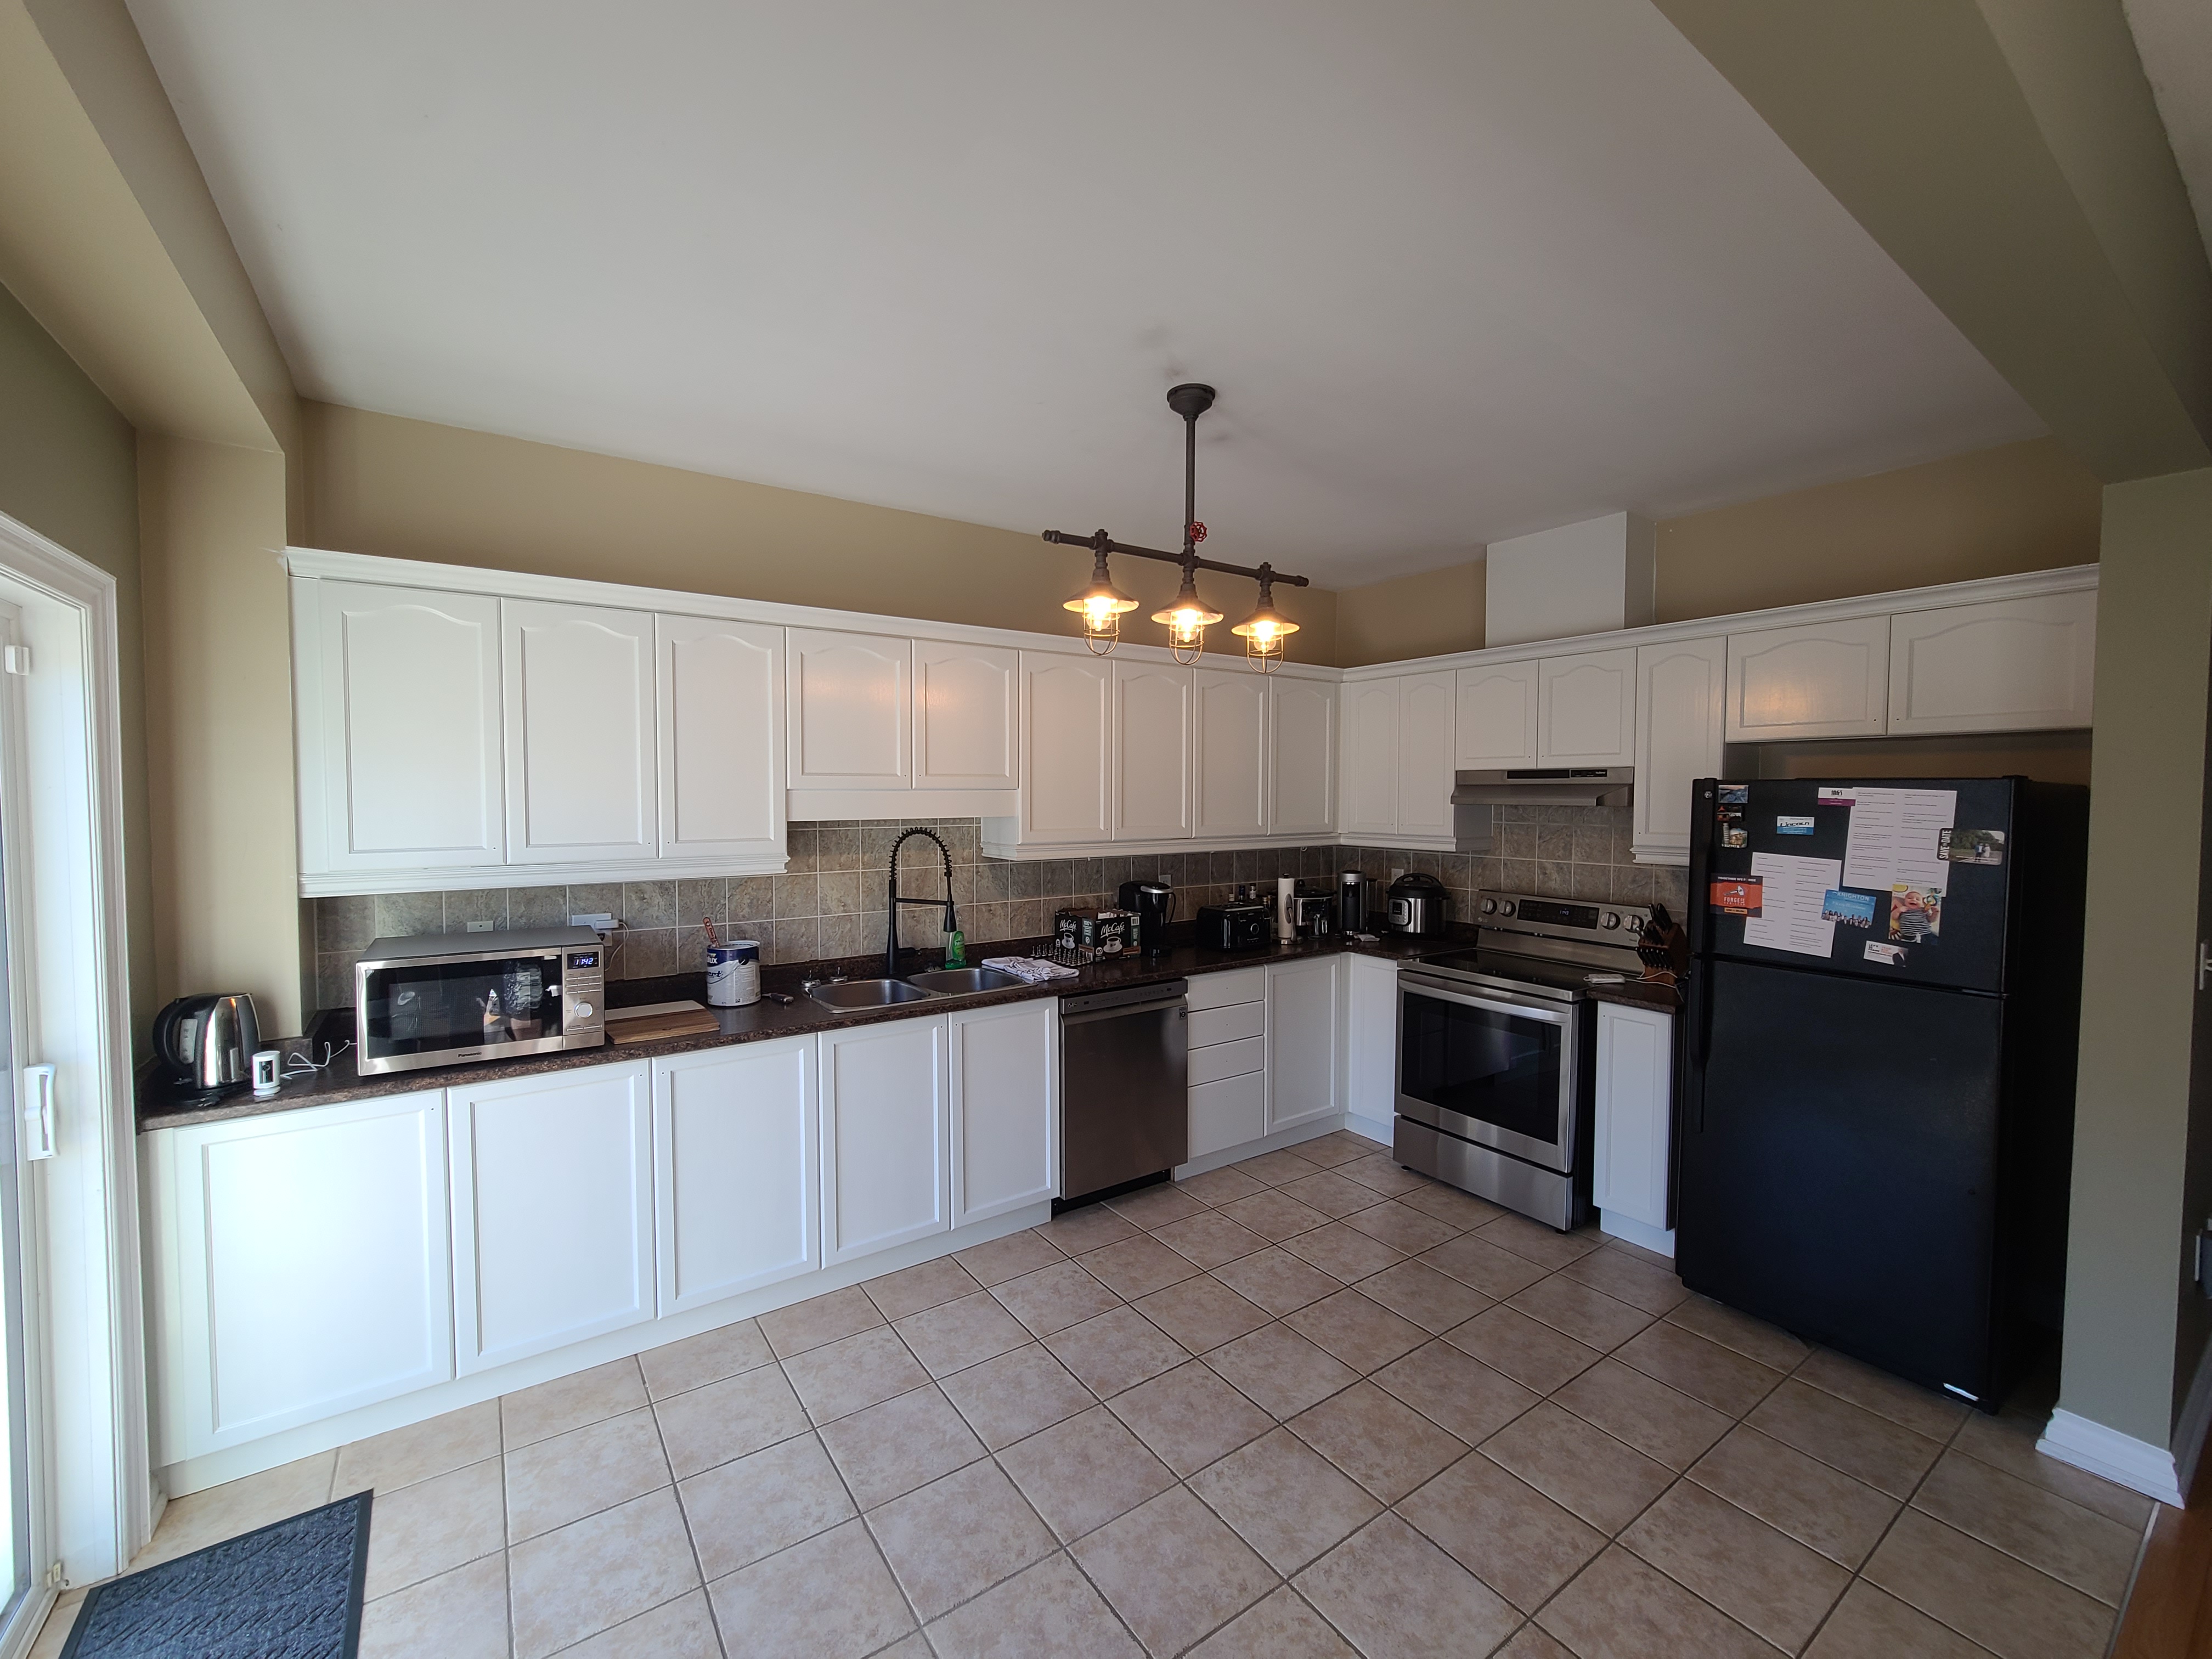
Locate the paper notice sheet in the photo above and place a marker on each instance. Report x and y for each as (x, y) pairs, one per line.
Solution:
(1790, 917)
(1893, 837)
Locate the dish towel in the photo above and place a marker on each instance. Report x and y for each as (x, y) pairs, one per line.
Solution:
(1035, 969)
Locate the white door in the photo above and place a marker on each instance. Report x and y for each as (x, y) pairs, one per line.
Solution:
(1302, 1041)
(2007, 665)
(1635, 1114)
(849, 702)
(720, 732)
(552, 1210)
(966, 702)
(736, 1183)
(1586, 709)
(1232, 752)
(1067, 724)
(1822, 680)
(1425, 716)
(1370, 768)
(1006, 1109)
(410, 747)
(301, 1268)
(1497, 715)
(581, 770)
(1153, 782)
(1371, 1060)
(886, 1137)
(1302, 757)
(1681, 690)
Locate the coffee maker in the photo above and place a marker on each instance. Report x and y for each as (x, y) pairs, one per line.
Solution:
(1351, 902)
(1154, 903)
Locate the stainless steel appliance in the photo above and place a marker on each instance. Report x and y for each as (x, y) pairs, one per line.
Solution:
(1419, 905)
(1153, 904)
(209, 1040)
(1497, 1052)
(1125, 1101)
(421, 1002)
(1475, 795)
(1351, 902)
(1313, 916)
(1246, 926)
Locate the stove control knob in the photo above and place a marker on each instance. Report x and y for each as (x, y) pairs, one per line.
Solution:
(1505, 906)
(1489, 907)
(1610, 920)
(1636, 924)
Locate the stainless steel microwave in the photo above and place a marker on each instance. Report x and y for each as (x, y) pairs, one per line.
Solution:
(424, 1001)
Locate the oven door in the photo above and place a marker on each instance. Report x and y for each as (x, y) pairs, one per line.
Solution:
(1490, 1067)
(434, 1010)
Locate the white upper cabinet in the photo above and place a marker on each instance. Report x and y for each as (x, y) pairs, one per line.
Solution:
(721, 698)
(1496, 716)
(1680, 695)
(1370, 758)
(967, 701)
(1302, 743)
(1154, 779)
(2006, 665)
(581, 770)
(1067, 724)
(407, 739)
(1586, 709)
(1005, 1107)
(886, 1133)
(1232, 752)
(1827, 679)
(1425, 718)
(850, 708)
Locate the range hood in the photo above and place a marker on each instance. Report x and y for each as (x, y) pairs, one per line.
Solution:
(1474, 794)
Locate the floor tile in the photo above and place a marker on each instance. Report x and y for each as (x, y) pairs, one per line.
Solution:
(1870, 1624)
(550, 1483)
(1285, 1499)
(1280, 1370)
(830, 1597)
(1628, 1279)
(1136, 1266)
(1533, 1642)
(1363, 1333)
(1336, 1248)
(852, 1373)
(1156, 1205)
(1473, 1260)
(955, 1335)
(1502, 1530)
(1401, 1226)
(1173, 1571)
(912, 1289)
(1662, 1423)
(1543, 1245)
(2005, 1446)
(1770, 1344)
(741, 1511)
(903, 1443)
(1332, 1194)
(1115, 1351)
(1395, 1593)
(707, 1357)
(1724, 1379)
(400, 1457)
(1815, 1505)
(1985, 1595)
(702, 1428)
(1012, 1396)
(682, 1628)
(1086, 1228)
(1620, 1608)
(200, 1518)
(820, 1319)
(1275, 1279)
(1278, 1626)
(1217, 1186)
(1382, 1443)
(1383, 1173)
(1189, 1416)
(1869, 1448)
(1434, 1301)
(1010, 1257)
(1450, 1204)
(432, 1527)
(1455, 1390)
(1765, 1580)
(596, 1572)
(1278, 1168)
(1209, 1239)
(569, 1403)
(1049, 1608)
(1921, 1410)
(1578, 1467)
(1081, 1473)
(1527, 1350)
(1335, 1149)
(1274, 1215)
(2074, 1545)
(1052, 1299)
(461, 1614)
(1200, 1313)
(958, 1535)
(1590, 1316)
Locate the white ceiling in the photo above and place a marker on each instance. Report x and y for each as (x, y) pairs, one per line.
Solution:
(2173, 38)
(1460, 270)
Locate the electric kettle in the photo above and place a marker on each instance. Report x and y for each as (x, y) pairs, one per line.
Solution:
(207, 1041)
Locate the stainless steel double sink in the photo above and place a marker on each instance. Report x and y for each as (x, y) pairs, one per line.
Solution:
(914, 988)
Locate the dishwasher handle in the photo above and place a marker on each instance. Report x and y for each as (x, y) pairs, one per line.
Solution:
(1123, 1010)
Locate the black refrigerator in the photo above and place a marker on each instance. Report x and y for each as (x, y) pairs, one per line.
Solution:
(1879, 1026)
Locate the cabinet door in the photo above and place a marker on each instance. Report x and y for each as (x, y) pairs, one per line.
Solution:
(721, 737)
(1822, 680)
(1425, 718)
(1302, 1040)
(1681, 692)
(1497, 715)
(736, 1183)
(1006, 1109)
(1302, 757)
(1153, 780)
(1371, 1038)
(850, 703)
(966, 716)
(1370, 768)
(411, 740)
(886, 1137)
(300, 1268)
(1586, 709)
(552, 1210)
(1067, 723)
(2009, 666)
(1232, 752)
(581, 773)
(1635, 1113)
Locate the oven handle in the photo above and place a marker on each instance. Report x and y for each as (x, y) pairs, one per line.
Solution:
(1545, 1012)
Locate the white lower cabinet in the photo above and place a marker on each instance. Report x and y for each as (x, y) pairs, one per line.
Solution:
(1370, 1060)
(300, 1268)
(552, 1210)
(735, 1180)
(1005, 1107)
(1228, 1064)
(1302, 1035)
(886, 1137)
(1632, 1162)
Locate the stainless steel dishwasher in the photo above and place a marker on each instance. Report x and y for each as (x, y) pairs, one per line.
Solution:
(1124, 1069)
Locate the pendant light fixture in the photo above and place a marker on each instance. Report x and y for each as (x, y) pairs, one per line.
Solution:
(1101, 605)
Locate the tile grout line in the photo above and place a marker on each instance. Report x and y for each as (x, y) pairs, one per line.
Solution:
(683, 1514)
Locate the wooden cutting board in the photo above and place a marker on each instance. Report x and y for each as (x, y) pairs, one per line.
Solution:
(654, 1027)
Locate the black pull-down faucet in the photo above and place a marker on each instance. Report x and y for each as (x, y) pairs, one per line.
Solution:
(891, 920)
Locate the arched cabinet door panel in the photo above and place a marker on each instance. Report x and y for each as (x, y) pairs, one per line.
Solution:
(2007, 665)
(850, 701)
(721, 697)
(582, 761)
(1821, 680)
(967, 716)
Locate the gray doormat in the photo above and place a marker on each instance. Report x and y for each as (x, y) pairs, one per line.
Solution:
(290, 1591)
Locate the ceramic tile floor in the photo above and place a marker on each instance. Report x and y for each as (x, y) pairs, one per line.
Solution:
(1309, 1404)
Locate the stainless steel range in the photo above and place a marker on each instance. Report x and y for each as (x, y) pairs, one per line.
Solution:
(1496, 1052)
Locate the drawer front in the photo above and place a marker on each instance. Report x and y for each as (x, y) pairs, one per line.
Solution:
(1218, 990)
(1227, 1114)
(1221, 1060)
(1231, 1024)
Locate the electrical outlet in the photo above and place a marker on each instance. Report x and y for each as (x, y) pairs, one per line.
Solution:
(600, 920)
(479, 928)
(1396, 871)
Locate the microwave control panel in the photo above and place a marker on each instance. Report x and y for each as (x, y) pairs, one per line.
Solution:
(583, 987)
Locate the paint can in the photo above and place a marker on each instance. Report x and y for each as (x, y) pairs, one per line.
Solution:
(733, 973)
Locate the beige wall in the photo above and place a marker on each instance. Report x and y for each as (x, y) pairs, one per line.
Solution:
(1423, 616)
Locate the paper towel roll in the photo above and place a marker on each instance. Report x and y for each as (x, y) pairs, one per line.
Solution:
(1286, 910)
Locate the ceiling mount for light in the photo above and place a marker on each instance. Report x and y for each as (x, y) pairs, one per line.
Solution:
(1186, 618)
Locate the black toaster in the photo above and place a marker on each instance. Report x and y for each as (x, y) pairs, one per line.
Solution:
(1234, 926)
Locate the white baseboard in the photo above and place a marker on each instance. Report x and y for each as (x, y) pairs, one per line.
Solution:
(1658, 1240)
(1273, 1143)
(1368, 1129)
(2135, 1463)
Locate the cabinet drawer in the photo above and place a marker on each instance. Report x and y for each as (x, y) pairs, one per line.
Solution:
(1227, 1113)
(1231, 1024)
(1222, 1059)
(1218, 990)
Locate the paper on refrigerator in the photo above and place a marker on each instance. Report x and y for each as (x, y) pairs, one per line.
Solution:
(1790, 917)
(1894, 838)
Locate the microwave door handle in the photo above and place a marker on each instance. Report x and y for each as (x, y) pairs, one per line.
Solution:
(1545, 1013)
